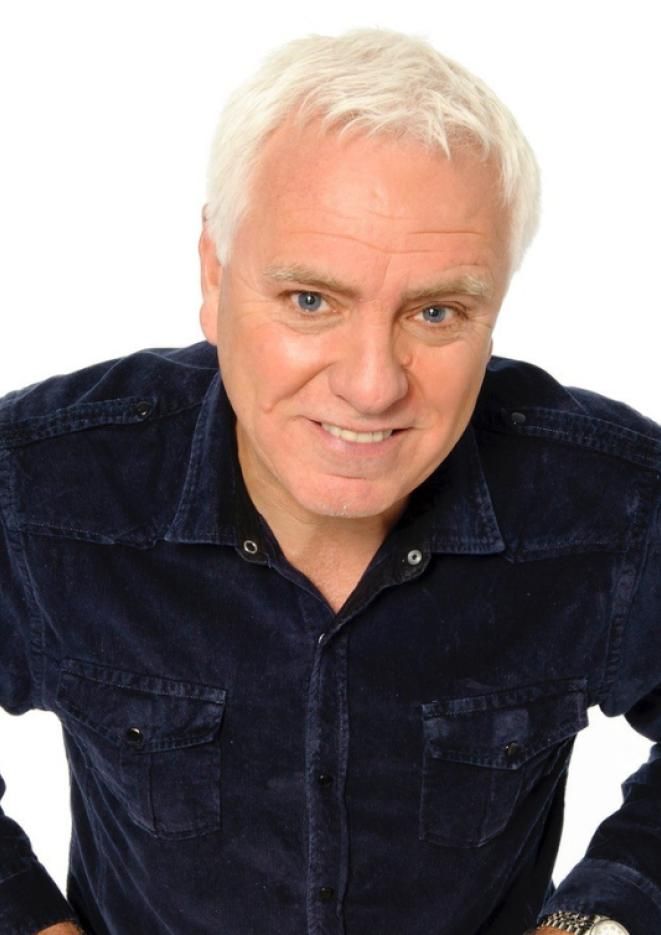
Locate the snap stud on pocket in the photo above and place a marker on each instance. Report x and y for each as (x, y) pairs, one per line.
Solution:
(486, 755)
(154, 743)
(134, 737)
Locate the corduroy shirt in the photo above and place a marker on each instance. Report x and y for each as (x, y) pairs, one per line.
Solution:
(245, 761)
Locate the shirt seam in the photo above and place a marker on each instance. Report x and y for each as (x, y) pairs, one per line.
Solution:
(624, 444)
(73, 419)
(640, 532)
(35, 643)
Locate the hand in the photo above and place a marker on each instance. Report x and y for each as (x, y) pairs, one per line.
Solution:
(62, 928)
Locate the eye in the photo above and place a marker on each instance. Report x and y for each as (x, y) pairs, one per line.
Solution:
(308, 301)
(435, 314)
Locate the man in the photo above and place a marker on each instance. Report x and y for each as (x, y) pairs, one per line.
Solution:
(322, 602)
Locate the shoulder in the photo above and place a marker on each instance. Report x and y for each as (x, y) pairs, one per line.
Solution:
(568, 469)
(101, 453)
(521, 399)
(171, 377)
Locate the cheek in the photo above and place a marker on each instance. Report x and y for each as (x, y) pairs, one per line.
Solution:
(267, 377)
(286, 362)
(451, 378)
(450, 392)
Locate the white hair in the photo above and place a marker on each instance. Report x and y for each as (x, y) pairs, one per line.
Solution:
(373, 81)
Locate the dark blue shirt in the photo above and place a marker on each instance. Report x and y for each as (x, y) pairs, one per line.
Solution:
(244, 760)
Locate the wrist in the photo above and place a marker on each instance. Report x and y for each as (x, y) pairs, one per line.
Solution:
(567, 922)
(62, 928)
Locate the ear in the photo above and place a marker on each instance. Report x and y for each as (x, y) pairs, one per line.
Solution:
(211, 273)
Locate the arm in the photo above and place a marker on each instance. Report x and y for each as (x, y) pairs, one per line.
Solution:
(620, 876)
(30, 901)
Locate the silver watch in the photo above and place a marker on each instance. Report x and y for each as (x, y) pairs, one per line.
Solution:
(579, 924)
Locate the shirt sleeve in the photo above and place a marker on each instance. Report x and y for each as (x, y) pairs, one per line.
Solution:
(620, 876)
(29, 898)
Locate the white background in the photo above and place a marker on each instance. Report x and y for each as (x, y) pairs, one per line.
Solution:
(107, 111)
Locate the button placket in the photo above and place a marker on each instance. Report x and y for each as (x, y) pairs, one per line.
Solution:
(326, 816)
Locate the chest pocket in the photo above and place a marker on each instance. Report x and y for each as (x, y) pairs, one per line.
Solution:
(152, 742)
(483, 755)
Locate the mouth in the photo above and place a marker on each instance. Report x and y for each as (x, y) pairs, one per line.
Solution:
(362, 438)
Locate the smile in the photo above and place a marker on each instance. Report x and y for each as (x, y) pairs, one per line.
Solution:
(360, 437)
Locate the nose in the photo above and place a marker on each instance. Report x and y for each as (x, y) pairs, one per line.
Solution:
(369, 371)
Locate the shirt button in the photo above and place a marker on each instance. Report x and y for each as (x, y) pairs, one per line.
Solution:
(326, 893)
(324, 779)
(142, 409)
(414, 557)
(251, 547)
(517, 418)
(135, 737)
(512, 750)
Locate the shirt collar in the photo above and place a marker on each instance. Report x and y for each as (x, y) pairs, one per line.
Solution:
(205, 513)
(453, 504)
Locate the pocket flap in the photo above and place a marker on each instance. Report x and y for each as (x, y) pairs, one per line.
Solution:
(144, 712)
(504, 729)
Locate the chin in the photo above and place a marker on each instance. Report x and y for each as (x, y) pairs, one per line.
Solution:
(345, 504)
(346, 511)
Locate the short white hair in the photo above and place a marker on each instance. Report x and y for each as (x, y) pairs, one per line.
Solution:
(372, 81)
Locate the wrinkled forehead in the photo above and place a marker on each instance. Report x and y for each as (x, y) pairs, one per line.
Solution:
(315, 188)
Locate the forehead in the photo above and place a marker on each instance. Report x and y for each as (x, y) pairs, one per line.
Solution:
(317, 191)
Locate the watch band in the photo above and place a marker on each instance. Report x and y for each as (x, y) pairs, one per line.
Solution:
(577, 923)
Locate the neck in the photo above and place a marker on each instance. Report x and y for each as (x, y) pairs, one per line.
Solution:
(333, 552)
(303, 535)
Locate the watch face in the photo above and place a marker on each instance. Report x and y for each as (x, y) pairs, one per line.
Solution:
(608, 927)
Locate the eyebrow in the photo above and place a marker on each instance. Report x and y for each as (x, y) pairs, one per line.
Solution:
(464, 284)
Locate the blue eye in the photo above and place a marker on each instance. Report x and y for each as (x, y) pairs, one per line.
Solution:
(435, 313)
(309, 301)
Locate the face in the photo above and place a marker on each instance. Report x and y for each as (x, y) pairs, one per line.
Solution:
(353, 320)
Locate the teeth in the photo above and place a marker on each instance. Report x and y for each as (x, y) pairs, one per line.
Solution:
(363, 437)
